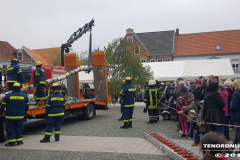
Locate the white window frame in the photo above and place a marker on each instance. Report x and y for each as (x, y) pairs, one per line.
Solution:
(152, 60)
(143, 60)
(138, 50)
(17, 56)
(235, 64)
(167, 59)
(219, 45)
(129, 37)
(159, 59)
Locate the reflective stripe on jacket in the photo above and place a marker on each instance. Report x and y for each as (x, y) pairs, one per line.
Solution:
(127, 95)
(55, 105)
(16, 104)
(14, 73)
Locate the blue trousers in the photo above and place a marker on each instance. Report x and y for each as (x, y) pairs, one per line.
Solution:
(40, 93)
(55, 122)
(215, 128)
(127, 114)
(122, 109)
(14, 130)
(191, 130)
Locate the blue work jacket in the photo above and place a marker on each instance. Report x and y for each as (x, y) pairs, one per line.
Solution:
(127, 95)
(14, 73)
(16, 104)
(55, 105)
(39, 76)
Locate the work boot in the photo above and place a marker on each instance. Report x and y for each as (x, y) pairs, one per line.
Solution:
(57, 140)
(125, 126)
(150, 122)
(155, 121)
(120, 119)
(10, 144)
(20, 143)
(44, 140)
(157, 118)
(130, 124)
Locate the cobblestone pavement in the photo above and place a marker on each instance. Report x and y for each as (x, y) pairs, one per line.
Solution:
(105, 124)
(9, 154)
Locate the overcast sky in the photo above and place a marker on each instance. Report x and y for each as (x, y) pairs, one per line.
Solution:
(49, 23)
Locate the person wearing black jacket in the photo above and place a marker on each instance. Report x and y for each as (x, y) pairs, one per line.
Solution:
(213, 108)
(197, 90)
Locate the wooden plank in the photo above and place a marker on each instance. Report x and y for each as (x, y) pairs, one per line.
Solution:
(71, 83)
(100, 83)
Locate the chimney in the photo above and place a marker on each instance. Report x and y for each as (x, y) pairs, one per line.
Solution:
(177, 32)
(129, 31)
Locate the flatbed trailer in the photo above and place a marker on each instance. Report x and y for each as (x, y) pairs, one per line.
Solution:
(83, 108)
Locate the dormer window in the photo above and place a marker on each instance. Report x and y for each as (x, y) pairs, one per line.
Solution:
(218, 47)
(20, 55)
(130, 39)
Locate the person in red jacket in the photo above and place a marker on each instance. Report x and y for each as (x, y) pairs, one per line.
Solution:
(182, 119)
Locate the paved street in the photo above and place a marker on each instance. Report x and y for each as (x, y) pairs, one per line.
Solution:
(99, 138)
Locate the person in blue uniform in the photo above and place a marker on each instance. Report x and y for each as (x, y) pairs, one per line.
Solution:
(122, 107)
(127, 96)
(16, 104)
(55, 108)
(14, 74)
(39, 82)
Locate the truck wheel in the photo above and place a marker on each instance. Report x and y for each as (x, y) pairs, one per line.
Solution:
(3, 133)
(88, 112)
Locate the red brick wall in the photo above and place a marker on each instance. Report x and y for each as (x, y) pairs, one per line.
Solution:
(143, 51)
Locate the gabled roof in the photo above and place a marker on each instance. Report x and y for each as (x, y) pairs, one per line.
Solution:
(7, 50)
(157, 42)
(36, 56)
(48, 54)
(205, 43)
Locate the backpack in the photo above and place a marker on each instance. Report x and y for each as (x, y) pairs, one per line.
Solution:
(184, 94)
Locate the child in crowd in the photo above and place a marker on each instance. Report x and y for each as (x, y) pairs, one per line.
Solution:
(196, 133)
(182, 119)
(203, 128)
(193, 105)
(210, 153)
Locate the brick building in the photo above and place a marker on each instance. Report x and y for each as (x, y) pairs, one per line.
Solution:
(152, 46)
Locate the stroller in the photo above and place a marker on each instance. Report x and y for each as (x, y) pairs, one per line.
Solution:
(167, 113)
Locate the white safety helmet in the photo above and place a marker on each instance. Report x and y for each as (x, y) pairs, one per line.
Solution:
(151, 82)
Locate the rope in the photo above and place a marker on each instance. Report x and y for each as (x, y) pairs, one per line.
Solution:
(218, 124)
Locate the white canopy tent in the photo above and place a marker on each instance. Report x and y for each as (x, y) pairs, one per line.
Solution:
(192, 69)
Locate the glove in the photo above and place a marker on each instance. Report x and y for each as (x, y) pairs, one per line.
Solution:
(144, 110)
(34, 85)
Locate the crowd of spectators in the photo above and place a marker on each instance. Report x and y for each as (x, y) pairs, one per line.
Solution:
(209, 103)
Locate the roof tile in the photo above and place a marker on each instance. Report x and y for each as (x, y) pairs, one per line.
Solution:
(205, 43)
